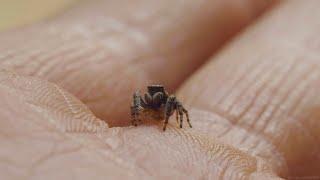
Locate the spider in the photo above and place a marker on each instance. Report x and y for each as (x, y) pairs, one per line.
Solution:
(158, 105)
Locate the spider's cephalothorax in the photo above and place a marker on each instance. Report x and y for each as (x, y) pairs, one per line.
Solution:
(158, 104)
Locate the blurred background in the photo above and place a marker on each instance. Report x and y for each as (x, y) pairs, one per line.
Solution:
(14, 13)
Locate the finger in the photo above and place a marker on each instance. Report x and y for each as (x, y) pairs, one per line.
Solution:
(53, 135)
(104, 50)
(261, 93)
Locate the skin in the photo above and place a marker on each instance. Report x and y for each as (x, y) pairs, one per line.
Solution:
(66, 84)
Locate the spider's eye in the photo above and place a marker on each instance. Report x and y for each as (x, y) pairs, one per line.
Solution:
(148, 98)
(157, 97)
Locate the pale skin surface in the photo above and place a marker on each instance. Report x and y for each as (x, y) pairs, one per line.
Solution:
(254, 106)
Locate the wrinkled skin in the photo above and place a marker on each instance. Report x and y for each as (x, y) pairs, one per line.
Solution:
(66, 84)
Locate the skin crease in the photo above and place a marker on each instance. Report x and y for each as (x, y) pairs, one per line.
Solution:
(254, 106)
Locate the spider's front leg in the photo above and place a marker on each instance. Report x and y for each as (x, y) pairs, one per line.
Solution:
(182, 110)
(136, 108)
(169, 108)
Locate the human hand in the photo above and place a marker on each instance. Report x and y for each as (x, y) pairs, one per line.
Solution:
(253, 106)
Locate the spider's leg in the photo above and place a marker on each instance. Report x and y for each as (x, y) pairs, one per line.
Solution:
(187, 115)
(135, 108)
(177, 116)
(182, 110)
(168, 110)
(179, 109)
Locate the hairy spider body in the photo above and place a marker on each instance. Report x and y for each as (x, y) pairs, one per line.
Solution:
(158, 105)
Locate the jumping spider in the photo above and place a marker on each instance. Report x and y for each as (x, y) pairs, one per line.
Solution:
(157, 104)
